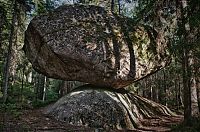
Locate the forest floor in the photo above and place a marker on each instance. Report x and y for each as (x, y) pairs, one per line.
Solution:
(34, 120)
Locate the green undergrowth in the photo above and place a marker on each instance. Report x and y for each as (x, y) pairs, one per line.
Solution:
(11, 109)
(40, 103)
(192, 126)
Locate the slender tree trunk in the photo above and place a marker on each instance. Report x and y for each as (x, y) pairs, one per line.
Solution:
(112, 6)
(197, 71)
(39, 80)
(66, 87)
(36, 84)
(149, 88)
(198, 92)
(62, 88)
(13, 59)
(164, 88)
(193, 86)
(8, 57)
(119, 6)
(22, 88)
(33, 78)
(180, 99)
(176, 87)
(186, 88)
(153, 88)
(185, 35)
(2, 23)
(41, 86)
(145, 88)
(160, 88)
(46, 84)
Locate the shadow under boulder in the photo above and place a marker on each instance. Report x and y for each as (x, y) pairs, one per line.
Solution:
(105, 108)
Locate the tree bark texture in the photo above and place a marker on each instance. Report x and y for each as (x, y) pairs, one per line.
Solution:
(2, 23)
(8, 57)
(189, 86)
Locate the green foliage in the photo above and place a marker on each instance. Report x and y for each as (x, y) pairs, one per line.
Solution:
(1, 94)
(134, 87)
(13, 109)
(51, 96)
(18, 94)
(43, 6)
(40, 103)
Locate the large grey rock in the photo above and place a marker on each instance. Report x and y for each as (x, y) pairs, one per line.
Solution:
(87, 44)
(99, 107)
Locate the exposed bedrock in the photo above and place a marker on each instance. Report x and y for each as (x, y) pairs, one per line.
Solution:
(105, 108)
(87, 44)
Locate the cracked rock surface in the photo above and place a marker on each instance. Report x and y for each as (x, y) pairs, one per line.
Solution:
(88, 44)
(105, 108)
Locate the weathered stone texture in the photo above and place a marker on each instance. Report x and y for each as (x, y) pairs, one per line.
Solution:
(105, 108)
(85, 43)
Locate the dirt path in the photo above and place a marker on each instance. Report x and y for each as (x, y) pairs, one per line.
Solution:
(36, 121)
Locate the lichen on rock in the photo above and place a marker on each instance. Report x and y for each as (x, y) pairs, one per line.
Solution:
(88, 44)
(105, 108)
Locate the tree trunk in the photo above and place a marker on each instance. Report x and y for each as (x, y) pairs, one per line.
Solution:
(46, 84)
(13, 59)
(198, 92)
(155, 87)
(39, 81)
(2, 23)
(193, 85)
(180, 99)
(8, 57)
(119, 6)
(164, 88)
(112, 6)
(189, 88)
(143, 88)
(63, 89)
(22, 88)
(41, 86)
(186, 88)
(176, 93)
(36, 85)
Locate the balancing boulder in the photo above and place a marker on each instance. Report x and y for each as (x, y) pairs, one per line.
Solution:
(88, 44)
